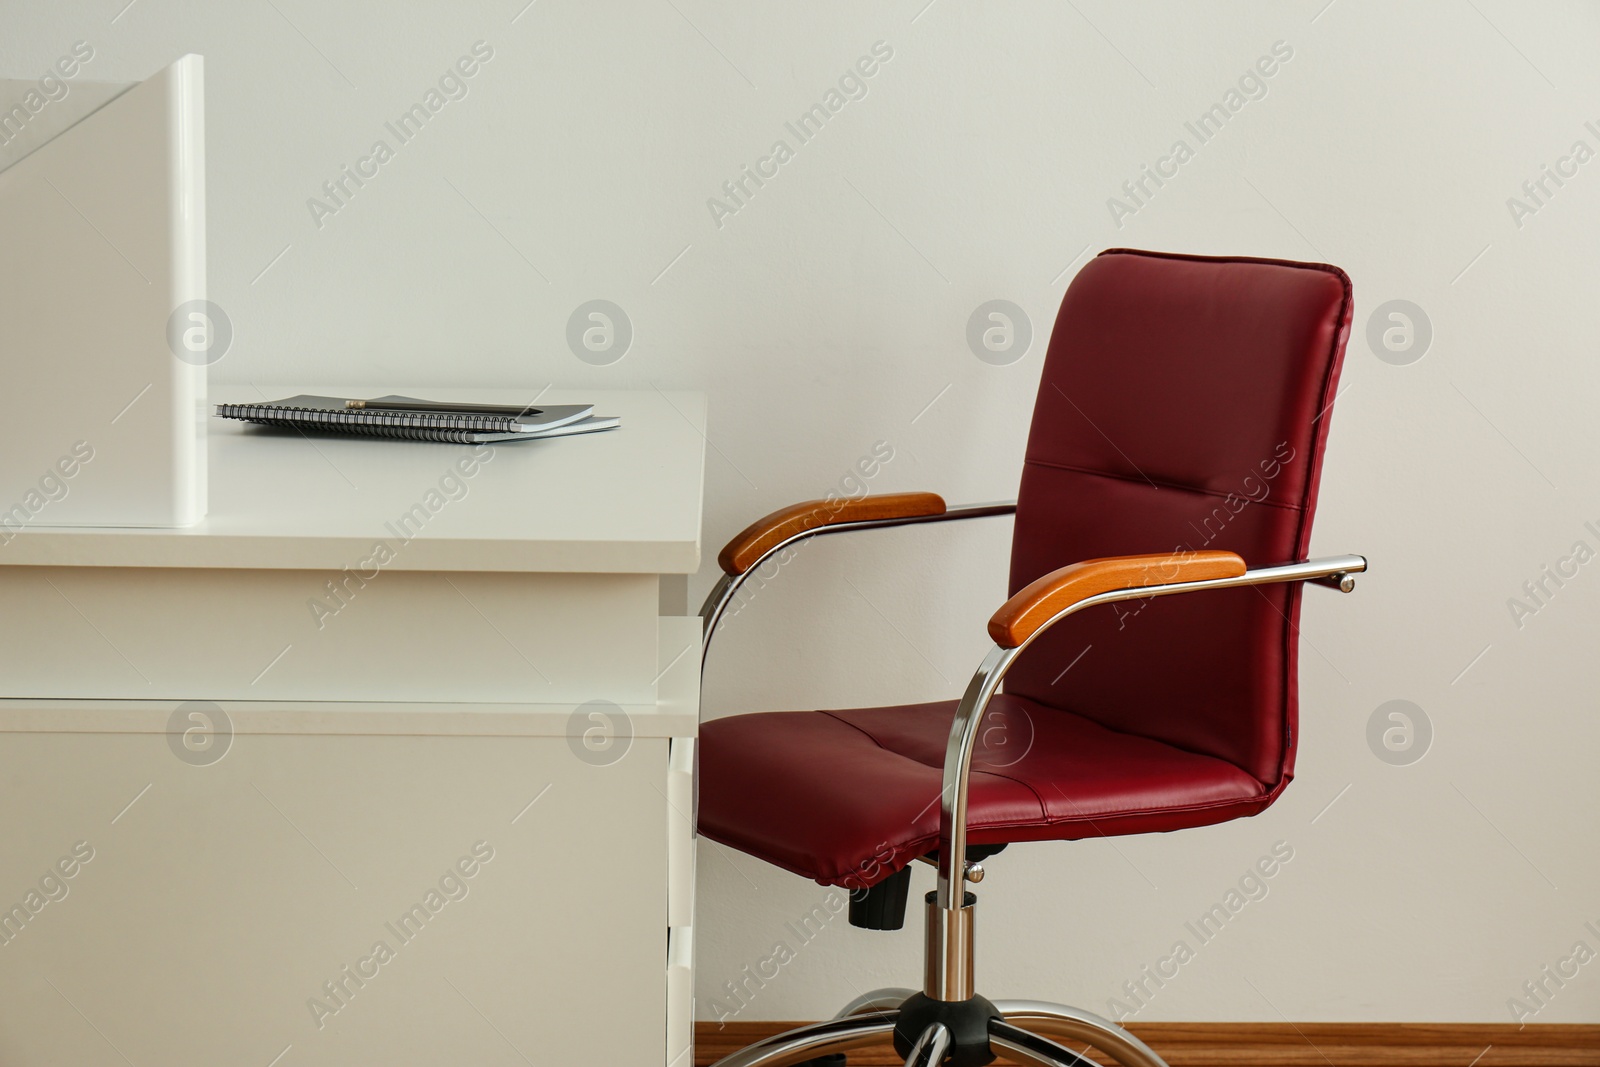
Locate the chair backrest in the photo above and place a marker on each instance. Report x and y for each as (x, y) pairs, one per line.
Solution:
(1184, 405)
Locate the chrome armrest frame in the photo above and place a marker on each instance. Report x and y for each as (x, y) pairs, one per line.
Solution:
(1334, 571)
(727, 586)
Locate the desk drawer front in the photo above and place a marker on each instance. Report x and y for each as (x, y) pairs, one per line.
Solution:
(194, 633)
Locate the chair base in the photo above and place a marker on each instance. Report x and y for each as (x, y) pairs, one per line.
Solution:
(935, 1028)
(964, 1023)
(1020, 1029)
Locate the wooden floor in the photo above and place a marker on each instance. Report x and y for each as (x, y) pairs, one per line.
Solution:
(1286, 1044)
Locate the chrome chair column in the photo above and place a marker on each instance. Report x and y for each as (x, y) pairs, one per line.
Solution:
(948, 972)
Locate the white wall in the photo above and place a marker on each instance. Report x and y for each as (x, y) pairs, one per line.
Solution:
(830, 311)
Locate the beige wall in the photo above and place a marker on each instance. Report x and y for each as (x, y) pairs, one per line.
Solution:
(830, 312)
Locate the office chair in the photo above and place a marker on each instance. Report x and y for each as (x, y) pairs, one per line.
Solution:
(1178, 433)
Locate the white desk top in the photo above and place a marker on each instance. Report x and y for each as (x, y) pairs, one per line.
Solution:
(621, 501)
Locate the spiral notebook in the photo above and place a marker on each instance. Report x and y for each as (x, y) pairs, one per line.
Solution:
(464, 426)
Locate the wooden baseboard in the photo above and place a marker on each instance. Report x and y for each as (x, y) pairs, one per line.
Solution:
(1285, 1044)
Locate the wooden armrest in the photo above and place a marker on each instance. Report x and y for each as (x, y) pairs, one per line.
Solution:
(1041, 600)
(761, 536)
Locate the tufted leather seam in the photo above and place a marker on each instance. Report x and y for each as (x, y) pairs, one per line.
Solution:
(1156, 484)
(1044, 811)
(859, 730)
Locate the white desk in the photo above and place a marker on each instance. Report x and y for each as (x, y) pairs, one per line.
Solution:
(439, 698)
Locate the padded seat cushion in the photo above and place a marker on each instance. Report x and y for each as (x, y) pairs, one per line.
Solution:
(849, 797)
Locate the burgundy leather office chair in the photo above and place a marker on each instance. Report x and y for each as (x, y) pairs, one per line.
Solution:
(1176, 446)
